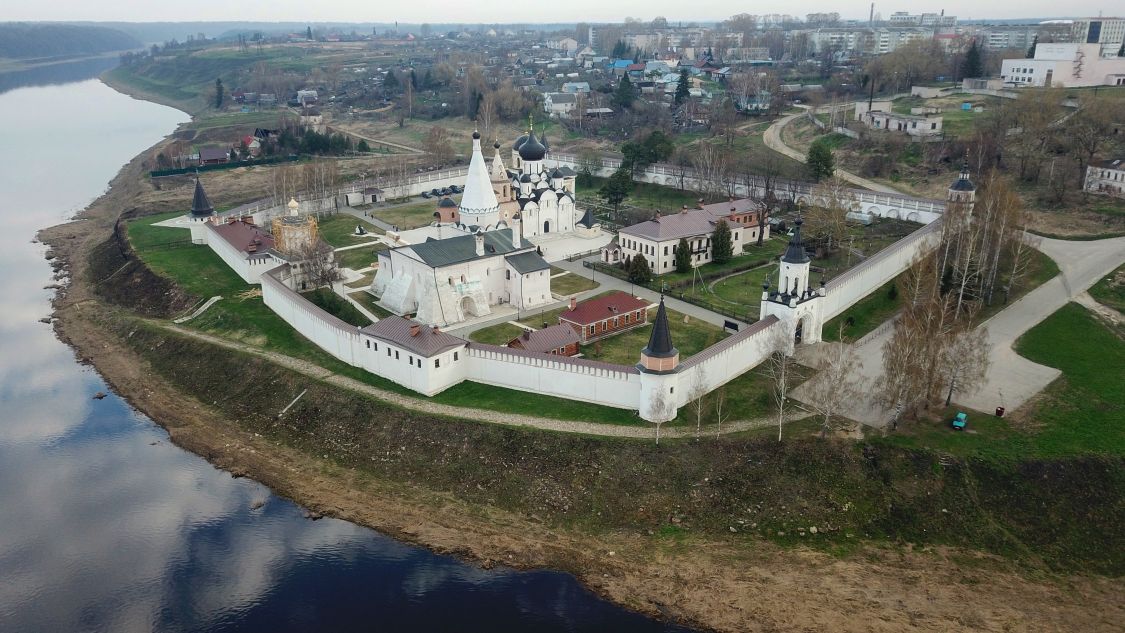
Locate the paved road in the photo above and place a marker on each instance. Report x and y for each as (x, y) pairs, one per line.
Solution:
(1012, 379)
(772, 139)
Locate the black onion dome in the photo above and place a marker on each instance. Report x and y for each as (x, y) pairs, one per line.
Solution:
(476, 135)
(532, 149)
(496, 145)
(519, 141)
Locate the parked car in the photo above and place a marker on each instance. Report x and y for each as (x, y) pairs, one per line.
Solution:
(446, 191)
(435, 192)
(455, 188)
(427, 194)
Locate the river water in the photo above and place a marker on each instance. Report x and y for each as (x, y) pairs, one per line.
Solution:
(106, 526)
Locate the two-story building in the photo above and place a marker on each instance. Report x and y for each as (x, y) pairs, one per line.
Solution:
(1106, 177)
(658, 239)
(605, 315)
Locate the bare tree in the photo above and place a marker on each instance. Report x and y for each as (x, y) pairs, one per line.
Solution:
(318, 265)
(720, 403)
(779, 370)
(834, 385)
(966, 361)
(827, 217)
(659, 407)
(696, 395)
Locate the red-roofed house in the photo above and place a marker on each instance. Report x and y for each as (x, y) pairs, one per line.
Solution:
(559, 339)
(608, 314)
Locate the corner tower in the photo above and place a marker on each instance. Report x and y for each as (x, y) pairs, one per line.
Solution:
(659, 364)
(794, 301)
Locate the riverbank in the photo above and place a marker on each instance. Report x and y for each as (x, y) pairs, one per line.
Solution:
(518, 497)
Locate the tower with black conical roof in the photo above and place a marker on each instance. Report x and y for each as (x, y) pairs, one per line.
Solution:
(660, 356)
(659, 366)
(200, 206)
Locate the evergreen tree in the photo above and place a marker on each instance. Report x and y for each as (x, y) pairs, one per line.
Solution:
(973, 66)
(362, 146)
(682, 89)
(623, 97)
(219, 93)
(428, 80)
(683, 256)
(617, 188)
(1031, 49)
(639, 271)
(819, 160)
(722, 248)
(308, 33)
(391, 83)
(413, 79)
(1121, 51)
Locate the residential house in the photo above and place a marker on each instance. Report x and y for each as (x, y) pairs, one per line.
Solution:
(213, 155)
(559, 104)
(605, 315)
(576, 87)
(912, 125)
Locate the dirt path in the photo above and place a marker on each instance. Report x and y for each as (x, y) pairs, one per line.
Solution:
(482, 415)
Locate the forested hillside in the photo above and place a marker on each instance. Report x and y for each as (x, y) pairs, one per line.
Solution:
(22, 41)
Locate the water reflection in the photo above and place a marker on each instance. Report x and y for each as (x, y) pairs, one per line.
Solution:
(105, 526)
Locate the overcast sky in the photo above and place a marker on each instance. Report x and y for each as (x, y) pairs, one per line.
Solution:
(509, 11)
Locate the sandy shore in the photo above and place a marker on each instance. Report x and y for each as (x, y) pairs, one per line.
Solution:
(744, 585)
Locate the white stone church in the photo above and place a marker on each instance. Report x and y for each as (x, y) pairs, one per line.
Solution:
(487, 259)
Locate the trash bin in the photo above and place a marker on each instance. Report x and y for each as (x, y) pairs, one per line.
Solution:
(999, 412)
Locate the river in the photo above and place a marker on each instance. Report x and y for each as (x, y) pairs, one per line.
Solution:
(107, 526)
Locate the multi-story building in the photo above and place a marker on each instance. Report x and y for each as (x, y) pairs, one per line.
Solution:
(1106, 32)
(1107, 177)
(658, 239)
(1072, 65)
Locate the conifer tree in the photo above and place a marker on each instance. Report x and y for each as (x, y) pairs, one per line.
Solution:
(219, 93)
(722, 248)
(682, 90)
(683, 256)
(820, 161)
(972, 66)
(624, 96)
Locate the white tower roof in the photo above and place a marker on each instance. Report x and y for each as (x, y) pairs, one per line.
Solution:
(479, 201)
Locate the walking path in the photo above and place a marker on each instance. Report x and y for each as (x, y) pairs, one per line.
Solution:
(200, 310)
(317, 372)
(1012, 380)
(613, 283)
(772, 140)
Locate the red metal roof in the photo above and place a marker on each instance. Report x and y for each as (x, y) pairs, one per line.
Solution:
(604, 307)
(245, 237)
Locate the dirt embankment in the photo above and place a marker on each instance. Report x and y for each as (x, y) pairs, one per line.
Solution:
(423, 486)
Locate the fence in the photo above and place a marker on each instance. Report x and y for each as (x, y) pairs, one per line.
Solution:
(160, 173)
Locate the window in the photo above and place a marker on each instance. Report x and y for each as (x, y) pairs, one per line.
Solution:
(456, 356)
(396, 354)
(368, 344)
(665, 250)
(410, 360)
(437, 363)
(388, 352)
(376, 347)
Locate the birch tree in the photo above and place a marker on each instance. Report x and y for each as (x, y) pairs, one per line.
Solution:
(835, 385)
(779, 369)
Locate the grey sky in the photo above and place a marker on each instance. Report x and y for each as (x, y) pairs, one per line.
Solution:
(508, 11)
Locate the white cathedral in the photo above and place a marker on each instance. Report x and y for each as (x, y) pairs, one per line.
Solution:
(483, 254)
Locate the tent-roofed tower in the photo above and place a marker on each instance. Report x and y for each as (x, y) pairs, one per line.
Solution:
(479, 206)
(660, 355)
(200, 205)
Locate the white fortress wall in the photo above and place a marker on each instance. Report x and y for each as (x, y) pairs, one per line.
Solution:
(328, 332)
(235, 258)
(575, 379)
(726, 360)
(844, 291)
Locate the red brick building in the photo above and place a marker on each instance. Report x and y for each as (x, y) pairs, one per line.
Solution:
(601, 316)
(558, 339)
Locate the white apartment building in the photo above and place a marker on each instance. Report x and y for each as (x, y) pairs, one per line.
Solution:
(1072, 65)
(657, 240)
(1106, 177)
(1107, 32)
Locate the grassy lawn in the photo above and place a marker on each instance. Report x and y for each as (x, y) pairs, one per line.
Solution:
(339, 230)
(569, 283)
(1110, 291)
(335, 305)
(497, 334)
(367, 300)
(362, 282)
(866, 315)
(410, 215)
(1078, 414)
(647, 196)
(625, 348)
(479, 396)
(359, 258)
